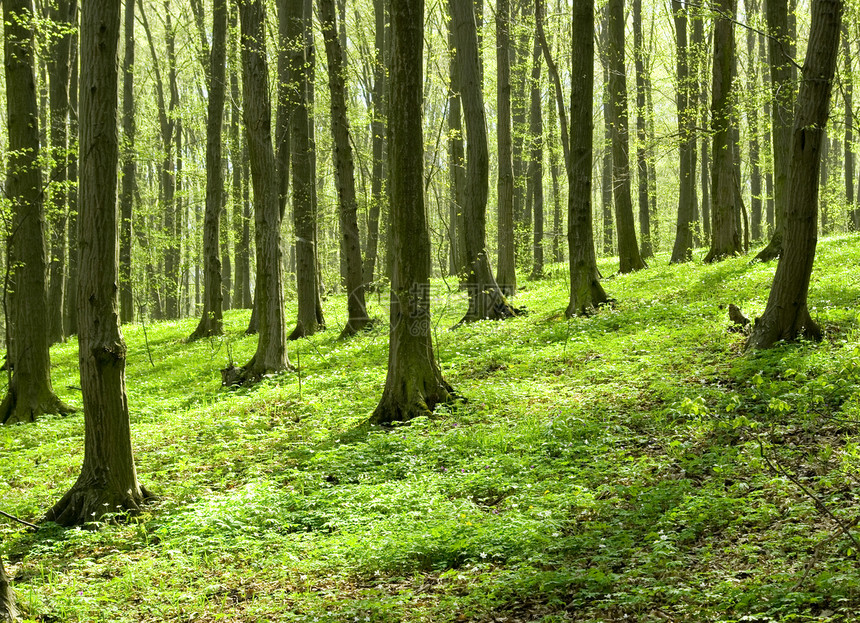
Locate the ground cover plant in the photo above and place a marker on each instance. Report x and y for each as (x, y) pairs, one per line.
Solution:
(632, 465)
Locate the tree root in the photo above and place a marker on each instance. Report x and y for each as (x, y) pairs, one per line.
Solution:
(13, 413)
(355, 326)
(84, 504)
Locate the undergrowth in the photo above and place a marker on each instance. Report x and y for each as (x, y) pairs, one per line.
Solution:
(629, 466)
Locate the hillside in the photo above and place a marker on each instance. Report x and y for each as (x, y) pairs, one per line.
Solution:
(628, 466)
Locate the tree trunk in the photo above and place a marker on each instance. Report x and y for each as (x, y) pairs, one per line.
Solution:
(377, 129)
(8, 609)
(586, 293)
(726, 228)
(787, 315)
(535, 180)
(62, 13)
(211, 320)
(646, 249)
(507, 274)
(606, 170)
(129, 170)
(848, 143)
(683, 248)
(304, 217)
(782, 89)
(30, 393)
(348, 220)
(456, 163)
(486, 300)
(628, 248)
(756, 213)
(108, 479)
(414, 385)
(271, 353)
(71, 303)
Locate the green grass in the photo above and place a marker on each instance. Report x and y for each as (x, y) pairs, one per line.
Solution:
(629, 466)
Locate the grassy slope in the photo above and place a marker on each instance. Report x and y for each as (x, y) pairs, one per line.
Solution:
(631, 465)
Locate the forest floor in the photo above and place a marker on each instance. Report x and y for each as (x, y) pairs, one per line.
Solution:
(631, 466)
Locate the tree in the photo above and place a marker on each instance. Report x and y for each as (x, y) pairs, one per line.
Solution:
(211, 322)
(786, 315)
(683, 249)
(647, 248)
(108, 480)
(129, 170)
(271, 354)
(302, 169)
(62, 14)
(725, 194)
(628, 248)
(30, 393)
(456, 162)
(507, 274)
(535, 169)
(782, 112)
(348, 218)
(486, 300)
(848, 143)
(751, 8)
(8, 609)
(586, 293)
(414, 385)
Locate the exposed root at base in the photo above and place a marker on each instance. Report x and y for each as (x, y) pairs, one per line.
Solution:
(83, 505)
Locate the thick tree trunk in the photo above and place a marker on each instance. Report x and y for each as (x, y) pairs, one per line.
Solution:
(646, 248)
(787, 315)
(8, 609)
(30, 393)
(70, 303)
(486, 300)
(586, 293)
(129, 170)
(377, 129)
(108, 479)
(62, 13)
(414, 385)
(271, 353)
(683, 248)
(211, 321)
(507, 274)
(726, 229)
(348, 217)
(782, 90)
(302, 170)
(628, 248)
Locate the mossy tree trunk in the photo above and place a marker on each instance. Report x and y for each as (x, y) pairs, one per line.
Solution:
(756, 212)
(786, 315)
(211, 321)
(30, 393)
(486, 300)
(414, 385)
(586, 292)
(108, 481)
(348, 217)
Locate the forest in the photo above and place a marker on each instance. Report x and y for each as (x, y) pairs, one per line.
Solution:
(394, 310)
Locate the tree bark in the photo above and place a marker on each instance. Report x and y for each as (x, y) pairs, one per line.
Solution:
(646, 246)
(108, 481)
(302, 170)
(725, 193)
(30, 393)
(535, 180)
(848, 143)
(8, 609)
(486, 300)
(62, 13)
(414, 385)
(377, 128)
(348, 217)
(271, 354)
(683, 248)
(211, 321)
(782, 90)
(628, 248)
(70, 303)
(129, 170)
(456, 162)
(756, 213)
(786, 315)
(586, 292)
(507, 274)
